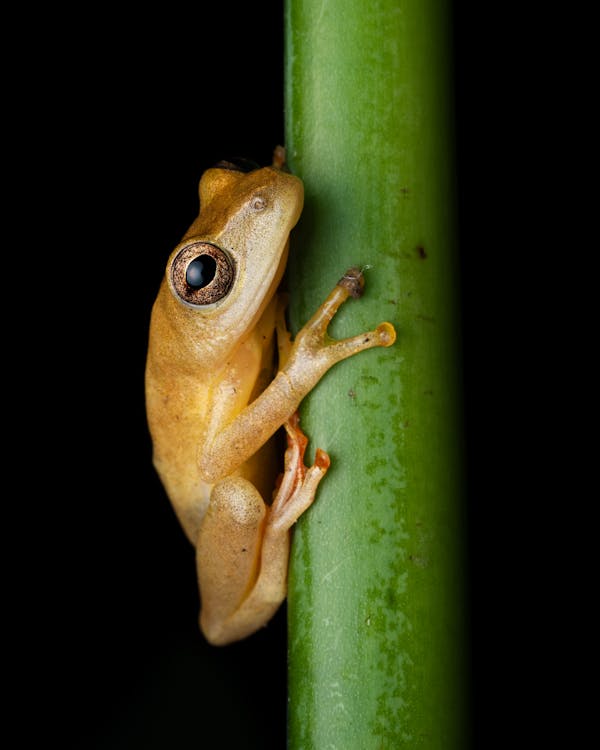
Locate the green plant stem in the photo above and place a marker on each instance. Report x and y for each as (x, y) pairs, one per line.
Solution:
(376, 598)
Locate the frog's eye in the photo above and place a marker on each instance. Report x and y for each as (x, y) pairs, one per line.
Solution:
(201, 273)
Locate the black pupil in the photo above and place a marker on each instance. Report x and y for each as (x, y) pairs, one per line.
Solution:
(201, 271)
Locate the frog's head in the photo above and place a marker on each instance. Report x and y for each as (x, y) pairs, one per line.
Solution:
(227, 267)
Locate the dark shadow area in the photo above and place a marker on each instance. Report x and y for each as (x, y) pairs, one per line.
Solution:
(502, 325)
(130, 111)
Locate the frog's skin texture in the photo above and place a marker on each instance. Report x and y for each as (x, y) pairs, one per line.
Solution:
(216, 392)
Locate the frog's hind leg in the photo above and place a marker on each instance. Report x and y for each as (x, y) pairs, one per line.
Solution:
(243, 545)
(228, 553)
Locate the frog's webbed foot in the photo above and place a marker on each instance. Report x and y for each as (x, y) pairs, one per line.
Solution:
(298, 486)
(351, 284)
(314, 351)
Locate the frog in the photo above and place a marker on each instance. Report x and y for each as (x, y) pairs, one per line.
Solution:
(224, 382)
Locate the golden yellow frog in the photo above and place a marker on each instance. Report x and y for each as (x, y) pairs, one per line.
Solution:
(222, 377)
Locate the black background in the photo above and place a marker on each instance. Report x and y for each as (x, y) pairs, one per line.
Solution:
(112, 125)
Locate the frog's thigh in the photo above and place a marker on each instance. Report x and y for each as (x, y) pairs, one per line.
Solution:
(229, 546)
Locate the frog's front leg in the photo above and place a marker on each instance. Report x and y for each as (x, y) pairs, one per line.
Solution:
(311, 355)
(243, 545)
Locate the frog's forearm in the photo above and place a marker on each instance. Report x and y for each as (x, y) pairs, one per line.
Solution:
(251, 428)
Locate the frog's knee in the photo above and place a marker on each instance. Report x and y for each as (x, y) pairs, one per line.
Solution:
(238, 500)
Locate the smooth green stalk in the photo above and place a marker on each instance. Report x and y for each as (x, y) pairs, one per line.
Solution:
(376, 600)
